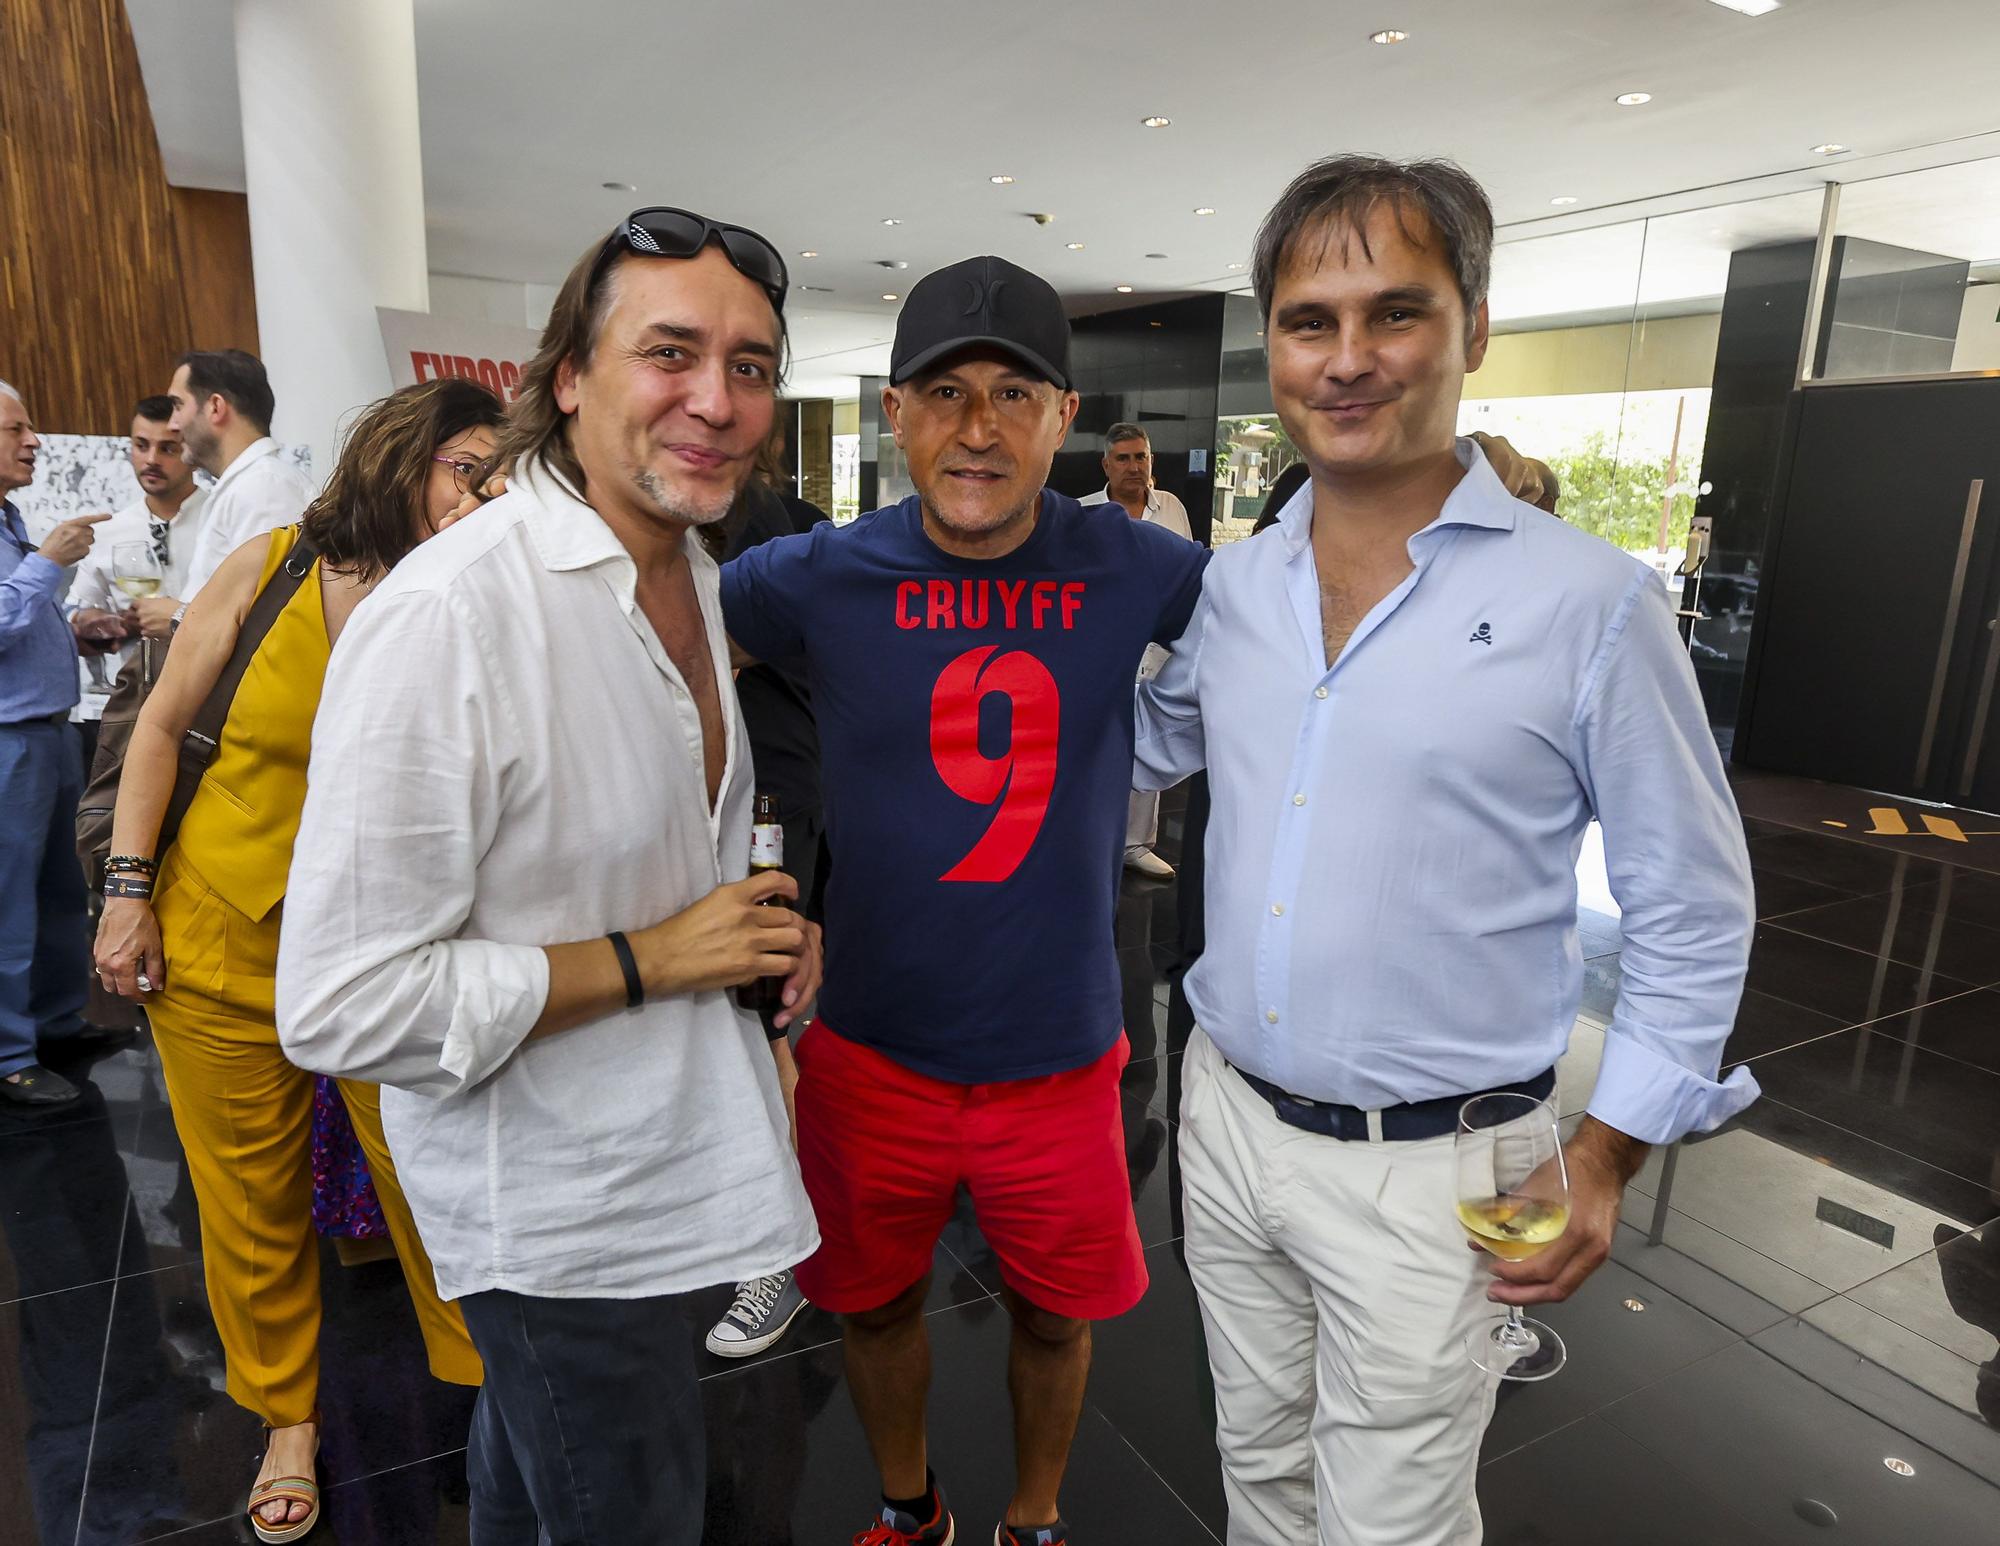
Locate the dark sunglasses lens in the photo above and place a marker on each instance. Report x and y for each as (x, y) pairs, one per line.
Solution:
(665, 232)
(756, 258)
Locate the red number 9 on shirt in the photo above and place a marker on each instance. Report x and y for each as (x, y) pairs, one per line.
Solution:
(1022, 777)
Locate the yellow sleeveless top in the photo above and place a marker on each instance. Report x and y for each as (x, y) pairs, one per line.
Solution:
(240, 827)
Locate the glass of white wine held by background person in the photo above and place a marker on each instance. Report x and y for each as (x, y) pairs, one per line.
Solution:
(1513, 1200)
(135, 569)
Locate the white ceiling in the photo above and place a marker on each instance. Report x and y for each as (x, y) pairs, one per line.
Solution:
(813, 122)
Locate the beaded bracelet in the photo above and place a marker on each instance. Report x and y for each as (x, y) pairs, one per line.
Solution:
(138, 890)
(132, 862)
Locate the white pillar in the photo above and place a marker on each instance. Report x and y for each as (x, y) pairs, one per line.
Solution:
(334, 172)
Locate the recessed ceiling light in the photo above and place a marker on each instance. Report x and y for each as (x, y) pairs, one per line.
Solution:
(1074, 246)
(889, 295)
(1236, 265)
(1155, 123)
(1635, 99)
(891, 220)
(808, 253)
(1565, 199)
(1750, 7)
(1829, 150)
(1389, 35)
(999, 178)
(1204, 210)
(1123, 289)
(617, 187)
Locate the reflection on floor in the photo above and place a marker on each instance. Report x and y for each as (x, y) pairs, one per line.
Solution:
(1797, 1330)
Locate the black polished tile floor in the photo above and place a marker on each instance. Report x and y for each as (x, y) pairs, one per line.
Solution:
(1792, 1302)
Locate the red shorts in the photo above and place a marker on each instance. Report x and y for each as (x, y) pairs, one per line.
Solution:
(884, 1151)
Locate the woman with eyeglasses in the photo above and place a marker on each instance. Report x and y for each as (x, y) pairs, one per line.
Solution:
(193, 933)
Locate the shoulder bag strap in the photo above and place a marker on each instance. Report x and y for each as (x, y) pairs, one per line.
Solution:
(205, 734)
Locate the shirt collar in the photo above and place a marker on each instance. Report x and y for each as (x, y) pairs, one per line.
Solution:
(567, 533)
(1479, 500)
(256, 451)
(1152, 498)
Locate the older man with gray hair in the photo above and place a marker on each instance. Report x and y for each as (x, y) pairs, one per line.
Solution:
(44, 943)
(1128, 481)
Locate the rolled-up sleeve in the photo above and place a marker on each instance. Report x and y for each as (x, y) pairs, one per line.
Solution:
(1169, 744)
(376, 980)
(1680, 871)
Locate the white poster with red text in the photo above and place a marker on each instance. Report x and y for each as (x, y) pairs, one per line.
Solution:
(422, 347)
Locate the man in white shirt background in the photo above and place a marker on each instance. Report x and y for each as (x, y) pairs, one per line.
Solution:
(167, 517)
(1412, 696)
(529, 742)
(222, 412)
(1128, 480)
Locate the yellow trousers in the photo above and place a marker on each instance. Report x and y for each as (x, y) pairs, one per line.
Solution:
(244, 1115)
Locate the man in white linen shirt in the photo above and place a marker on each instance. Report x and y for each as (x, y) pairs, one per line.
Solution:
(1411, 698)
(222, 411)
(1128, 480)
(167, 517)
(529, 742)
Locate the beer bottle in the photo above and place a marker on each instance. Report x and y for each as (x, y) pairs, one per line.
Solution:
(765, 996)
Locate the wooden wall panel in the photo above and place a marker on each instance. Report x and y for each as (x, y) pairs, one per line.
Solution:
(91, 305)
(213, 231)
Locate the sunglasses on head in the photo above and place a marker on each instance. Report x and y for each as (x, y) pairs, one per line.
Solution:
(661, 232)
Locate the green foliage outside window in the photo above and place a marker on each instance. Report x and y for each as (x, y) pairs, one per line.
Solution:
(1619, 499)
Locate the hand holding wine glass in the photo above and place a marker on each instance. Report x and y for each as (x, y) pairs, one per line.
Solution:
(1513, 1200)
(135, 569)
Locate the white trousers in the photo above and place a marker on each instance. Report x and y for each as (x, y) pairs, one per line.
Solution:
(1336, 1290)
(1142, 819)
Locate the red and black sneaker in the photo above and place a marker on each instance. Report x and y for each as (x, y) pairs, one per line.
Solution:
(893, 1527)
(1005, 1534)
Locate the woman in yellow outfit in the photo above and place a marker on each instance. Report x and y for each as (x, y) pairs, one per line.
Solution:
(201, 951)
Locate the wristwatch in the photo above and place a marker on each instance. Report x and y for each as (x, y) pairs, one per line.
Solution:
(174, 623)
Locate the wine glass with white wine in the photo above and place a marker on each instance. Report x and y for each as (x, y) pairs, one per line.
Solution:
(135, 569)
(1513, 1199)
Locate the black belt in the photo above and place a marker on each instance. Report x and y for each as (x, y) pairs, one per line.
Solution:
(60, 717)
(1400, 1124)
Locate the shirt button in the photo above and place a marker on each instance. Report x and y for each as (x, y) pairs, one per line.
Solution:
(1319, 692)
(1298, 799)
(1271, 1015)
(1277, 909)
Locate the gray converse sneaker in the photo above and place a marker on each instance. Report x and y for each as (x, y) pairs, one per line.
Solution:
(764, 1310)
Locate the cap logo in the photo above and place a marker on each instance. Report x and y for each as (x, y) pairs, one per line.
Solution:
(984, 294)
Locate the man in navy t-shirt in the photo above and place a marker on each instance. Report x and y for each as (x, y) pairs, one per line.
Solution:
(971, 654)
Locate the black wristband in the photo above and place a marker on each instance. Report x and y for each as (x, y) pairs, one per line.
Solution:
(635, 990)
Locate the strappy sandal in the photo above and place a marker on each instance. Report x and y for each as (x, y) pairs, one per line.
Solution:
(286, 1490)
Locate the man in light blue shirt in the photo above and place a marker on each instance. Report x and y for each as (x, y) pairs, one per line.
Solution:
(1411, 697)
(44, 944)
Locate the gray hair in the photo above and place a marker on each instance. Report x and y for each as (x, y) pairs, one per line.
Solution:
(1118, 432)
(1334, 198)
(7, 389)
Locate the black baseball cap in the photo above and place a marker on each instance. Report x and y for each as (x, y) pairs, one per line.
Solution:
(983, 301)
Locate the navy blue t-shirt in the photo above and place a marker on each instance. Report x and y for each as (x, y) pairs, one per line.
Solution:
(975, 724)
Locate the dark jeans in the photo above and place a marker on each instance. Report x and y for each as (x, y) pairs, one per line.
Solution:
(44, 934)
(588, 1430)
